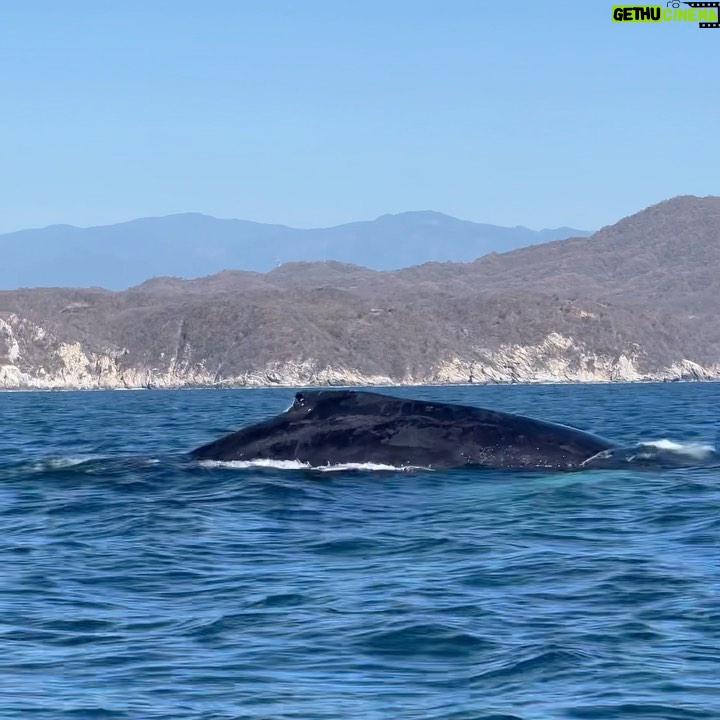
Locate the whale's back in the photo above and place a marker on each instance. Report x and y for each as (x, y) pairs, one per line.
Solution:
(342, 426)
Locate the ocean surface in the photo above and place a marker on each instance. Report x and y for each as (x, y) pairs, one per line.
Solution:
(136, 584)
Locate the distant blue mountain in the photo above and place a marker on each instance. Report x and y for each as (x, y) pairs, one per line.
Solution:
(192, 245)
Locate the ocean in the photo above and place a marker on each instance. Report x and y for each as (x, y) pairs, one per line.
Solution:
(136, 584)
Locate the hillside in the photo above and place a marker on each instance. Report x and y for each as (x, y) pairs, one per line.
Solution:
(667, 256)
(637, 300)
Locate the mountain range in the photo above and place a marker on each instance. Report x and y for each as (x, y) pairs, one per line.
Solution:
(636, 300)
(192, 245)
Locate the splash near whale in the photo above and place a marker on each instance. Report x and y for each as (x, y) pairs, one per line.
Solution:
(341, 427)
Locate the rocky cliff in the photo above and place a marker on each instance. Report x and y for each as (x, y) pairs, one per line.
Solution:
(33, 358)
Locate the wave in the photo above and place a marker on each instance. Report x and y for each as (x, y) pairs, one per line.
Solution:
(76, 465)
(656, 453)
(63, 463)
(697, 450)
(60, 463)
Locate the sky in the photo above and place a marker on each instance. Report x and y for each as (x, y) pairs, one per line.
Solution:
(320, 112)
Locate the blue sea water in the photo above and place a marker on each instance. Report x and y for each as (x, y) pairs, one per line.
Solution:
(135, 584)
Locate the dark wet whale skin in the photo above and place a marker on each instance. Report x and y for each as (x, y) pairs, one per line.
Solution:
(332, 427)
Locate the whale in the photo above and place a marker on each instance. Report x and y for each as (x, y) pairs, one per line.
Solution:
(338, 427)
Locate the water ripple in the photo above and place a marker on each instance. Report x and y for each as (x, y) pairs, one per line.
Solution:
(136, 584)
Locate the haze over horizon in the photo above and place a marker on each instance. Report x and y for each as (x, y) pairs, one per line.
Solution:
(191, 245)
(191, 213)
(322, 114)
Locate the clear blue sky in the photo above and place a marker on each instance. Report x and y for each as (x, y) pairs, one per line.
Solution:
(317, 112)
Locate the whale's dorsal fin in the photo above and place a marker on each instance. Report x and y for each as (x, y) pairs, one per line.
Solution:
(309, 399)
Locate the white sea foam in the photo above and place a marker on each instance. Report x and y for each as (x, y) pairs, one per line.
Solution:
(244, 464)
(297, 465)
(63, 463)
(60, 463)
(695, 450)
(370, 467)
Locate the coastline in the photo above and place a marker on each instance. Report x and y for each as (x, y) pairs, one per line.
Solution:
(289, 386)
(31, 358)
